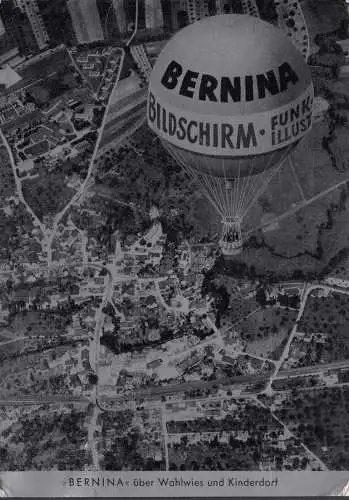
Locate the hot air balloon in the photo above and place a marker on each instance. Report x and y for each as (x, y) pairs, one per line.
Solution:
(230, 97)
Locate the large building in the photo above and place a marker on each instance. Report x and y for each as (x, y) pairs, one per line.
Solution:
(18, 27)
(86, 21)
(228, 7)
(197, 9)
(153, 14)
(31, 9)
(179, 14)
(120, 15)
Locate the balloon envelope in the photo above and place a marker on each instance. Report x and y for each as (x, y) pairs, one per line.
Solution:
(230, 96)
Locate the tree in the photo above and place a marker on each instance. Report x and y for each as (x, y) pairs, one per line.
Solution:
(93, 379)
(261, 296)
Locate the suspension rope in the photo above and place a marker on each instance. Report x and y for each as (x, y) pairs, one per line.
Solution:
(247, 180)
(237, 187)
(175, 152)
(256, 180)
(233, 201)
(272, 172)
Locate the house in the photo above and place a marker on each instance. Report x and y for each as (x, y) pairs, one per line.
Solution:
(154, 364)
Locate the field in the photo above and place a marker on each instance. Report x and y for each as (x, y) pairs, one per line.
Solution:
(40, 323)
(296, 244)
(313, 164)
(305, 243)
(47, 194)
(266, 329)
(12, 349)
(22, 121)
(96, 62)
(281, 193)
(328, 315)
(320, 419)
(299, 232)
(238, 309)
(118, 134)
(38, 149)
(42, 68)
(308, 239)
(322, 15)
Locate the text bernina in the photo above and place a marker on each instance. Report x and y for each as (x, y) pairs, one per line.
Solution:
(226, 89)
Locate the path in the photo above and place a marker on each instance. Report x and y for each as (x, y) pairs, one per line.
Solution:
(49, 235)
(164, 431)
(87, 180)
(92, 428)
(288, 433)
(285, 352)
(298, 207)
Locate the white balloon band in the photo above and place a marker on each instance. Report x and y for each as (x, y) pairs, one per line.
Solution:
(232, 136)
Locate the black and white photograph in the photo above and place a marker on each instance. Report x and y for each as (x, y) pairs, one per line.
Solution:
(174, 244)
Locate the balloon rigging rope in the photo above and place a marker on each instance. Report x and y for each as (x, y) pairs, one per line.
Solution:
(230, 202)
(271, 173)
(246, 181)
(255, 180)
(238, 189)
(213, 184)
(209, 193)
(263, 181)
(224, 189)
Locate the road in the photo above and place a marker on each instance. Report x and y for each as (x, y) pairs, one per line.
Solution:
(100, 317)
(91, 429)
(174, 310)
(307, 290)
(285, 353)
(43, 400)
(289, 433)
(94, 346)
(312, 370)
(157, 392)
(11, 341)
(88, 178)
(298, 207)
(277, 374)
(165, 434)
(78, 70)
(231, 327)
(18, 183)
(49, 234)
(112, 277)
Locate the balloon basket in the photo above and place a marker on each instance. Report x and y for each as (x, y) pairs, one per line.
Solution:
(231, 241)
